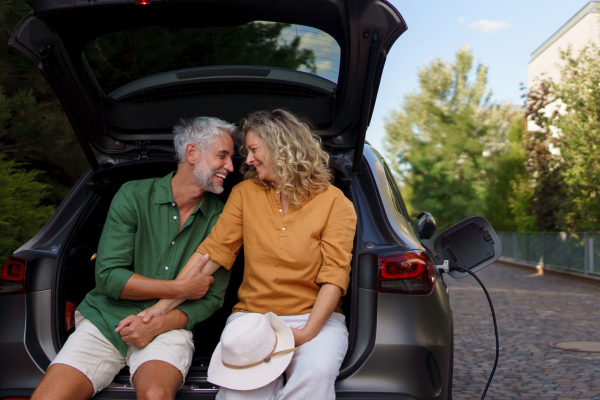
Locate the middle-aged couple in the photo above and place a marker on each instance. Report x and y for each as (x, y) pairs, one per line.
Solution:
(297, 230)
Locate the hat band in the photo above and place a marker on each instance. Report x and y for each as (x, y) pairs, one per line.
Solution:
(265, 360)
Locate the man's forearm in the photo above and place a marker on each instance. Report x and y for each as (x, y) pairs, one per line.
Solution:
(139, 287)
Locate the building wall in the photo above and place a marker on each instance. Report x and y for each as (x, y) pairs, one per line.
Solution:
(579, 31)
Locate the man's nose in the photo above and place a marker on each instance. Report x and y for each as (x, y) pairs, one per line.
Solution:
(229, 164)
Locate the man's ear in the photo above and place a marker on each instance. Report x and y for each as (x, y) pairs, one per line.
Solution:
(192, 153)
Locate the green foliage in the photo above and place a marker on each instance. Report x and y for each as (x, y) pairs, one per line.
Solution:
(564, 152)
(508, 189)
(446, 140)
(34, 130)
(21, 216)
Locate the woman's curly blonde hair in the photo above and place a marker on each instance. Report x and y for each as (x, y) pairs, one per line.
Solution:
(295, 154)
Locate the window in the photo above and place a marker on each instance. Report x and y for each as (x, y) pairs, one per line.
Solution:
(395, 193)
(156, 62)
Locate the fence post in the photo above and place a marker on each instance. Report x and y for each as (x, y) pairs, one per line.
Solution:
(527, 257)
(563, 245)
(586, 262)
(543, 249)
(515, 245)
(591, 255)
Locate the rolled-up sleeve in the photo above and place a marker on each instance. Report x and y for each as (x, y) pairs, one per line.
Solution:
(199, 310)
(337, 240)
(226, 238)
(115, 249)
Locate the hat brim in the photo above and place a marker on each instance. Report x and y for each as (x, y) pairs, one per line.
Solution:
(260, 375)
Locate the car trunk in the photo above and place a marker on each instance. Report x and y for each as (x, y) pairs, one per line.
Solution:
(75, 272)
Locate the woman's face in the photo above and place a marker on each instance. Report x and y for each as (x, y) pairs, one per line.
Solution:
(259, 157)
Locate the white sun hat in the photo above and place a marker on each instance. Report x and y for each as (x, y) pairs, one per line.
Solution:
(254, 350)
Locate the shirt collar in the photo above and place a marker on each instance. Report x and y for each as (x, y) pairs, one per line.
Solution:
(164, 194)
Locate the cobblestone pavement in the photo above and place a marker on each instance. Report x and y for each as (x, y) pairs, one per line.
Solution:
(532, 311)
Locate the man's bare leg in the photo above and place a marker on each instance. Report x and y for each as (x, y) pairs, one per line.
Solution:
(155, 380)
(63, 382)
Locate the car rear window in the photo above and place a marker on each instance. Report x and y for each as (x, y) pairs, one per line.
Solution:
(156, 62)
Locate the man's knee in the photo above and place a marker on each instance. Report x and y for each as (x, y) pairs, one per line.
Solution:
(64, 382)
(155, 392)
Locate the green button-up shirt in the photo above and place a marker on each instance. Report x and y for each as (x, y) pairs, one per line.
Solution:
(142, 235)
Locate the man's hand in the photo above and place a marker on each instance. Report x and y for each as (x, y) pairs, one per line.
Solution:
(195, 284)
(135, 332)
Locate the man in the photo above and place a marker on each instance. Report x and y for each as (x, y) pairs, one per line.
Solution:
(152, 228)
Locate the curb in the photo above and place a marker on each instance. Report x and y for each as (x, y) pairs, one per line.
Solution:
(595, 280)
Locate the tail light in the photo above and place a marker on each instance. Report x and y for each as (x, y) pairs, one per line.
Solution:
(12, 276)
(412, 272)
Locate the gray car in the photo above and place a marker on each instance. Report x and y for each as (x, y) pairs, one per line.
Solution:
(127, 70)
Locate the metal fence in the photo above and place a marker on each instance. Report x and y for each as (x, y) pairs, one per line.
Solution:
(579, 251)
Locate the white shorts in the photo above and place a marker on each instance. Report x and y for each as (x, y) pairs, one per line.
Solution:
(88, 351)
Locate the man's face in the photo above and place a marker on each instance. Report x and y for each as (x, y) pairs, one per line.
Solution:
(216, 163)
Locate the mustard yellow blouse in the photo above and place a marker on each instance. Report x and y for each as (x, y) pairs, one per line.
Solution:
(287, 258)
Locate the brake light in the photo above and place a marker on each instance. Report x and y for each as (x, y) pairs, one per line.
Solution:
(412, 272)
(142, 2)
(12, 276)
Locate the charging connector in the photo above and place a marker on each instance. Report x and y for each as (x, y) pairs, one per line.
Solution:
(445, 266)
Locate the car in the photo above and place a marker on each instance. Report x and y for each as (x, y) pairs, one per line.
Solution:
(126, 71)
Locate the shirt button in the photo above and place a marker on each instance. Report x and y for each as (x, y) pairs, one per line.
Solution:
(283, 229)
(277, 191)
(166, 268)
(173, 204)
(173, 242)
(175, 217)
(279, 210)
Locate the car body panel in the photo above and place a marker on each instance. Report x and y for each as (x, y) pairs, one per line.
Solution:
(18, 369)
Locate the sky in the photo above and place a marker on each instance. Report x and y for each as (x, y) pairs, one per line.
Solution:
(501, 34)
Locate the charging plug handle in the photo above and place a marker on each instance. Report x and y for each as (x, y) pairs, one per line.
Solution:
(445, 266)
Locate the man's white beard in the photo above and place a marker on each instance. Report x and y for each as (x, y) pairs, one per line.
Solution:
(204, 177)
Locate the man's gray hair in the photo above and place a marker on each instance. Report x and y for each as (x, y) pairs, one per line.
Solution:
(200, 131)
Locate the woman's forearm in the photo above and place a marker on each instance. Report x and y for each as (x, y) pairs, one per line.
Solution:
(327, 300)
(210, 268)
(193, 265)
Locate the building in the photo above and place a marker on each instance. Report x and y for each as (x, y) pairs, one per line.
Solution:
(582, 28)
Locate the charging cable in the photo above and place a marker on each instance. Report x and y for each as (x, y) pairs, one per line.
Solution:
(447, 266)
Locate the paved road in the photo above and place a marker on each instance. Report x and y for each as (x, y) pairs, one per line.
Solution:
(532, 311)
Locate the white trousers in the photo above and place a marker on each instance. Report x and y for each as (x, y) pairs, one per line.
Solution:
(313, 369)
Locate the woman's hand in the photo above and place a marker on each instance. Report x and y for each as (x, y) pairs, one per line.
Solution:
(301, 336)
(152, 312)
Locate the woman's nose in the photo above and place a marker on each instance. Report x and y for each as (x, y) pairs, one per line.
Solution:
(249, 159)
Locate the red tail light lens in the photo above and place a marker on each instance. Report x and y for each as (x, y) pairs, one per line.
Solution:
(412, 272)
(12, 276)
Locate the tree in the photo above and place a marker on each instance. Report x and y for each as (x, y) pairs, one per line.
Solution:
(34, 130)
(509, 190)
(444, 141)
(21, 215)
(564, 151)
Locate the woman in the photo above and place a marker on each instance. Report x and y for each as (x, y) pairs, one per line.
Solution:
(297, 230)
